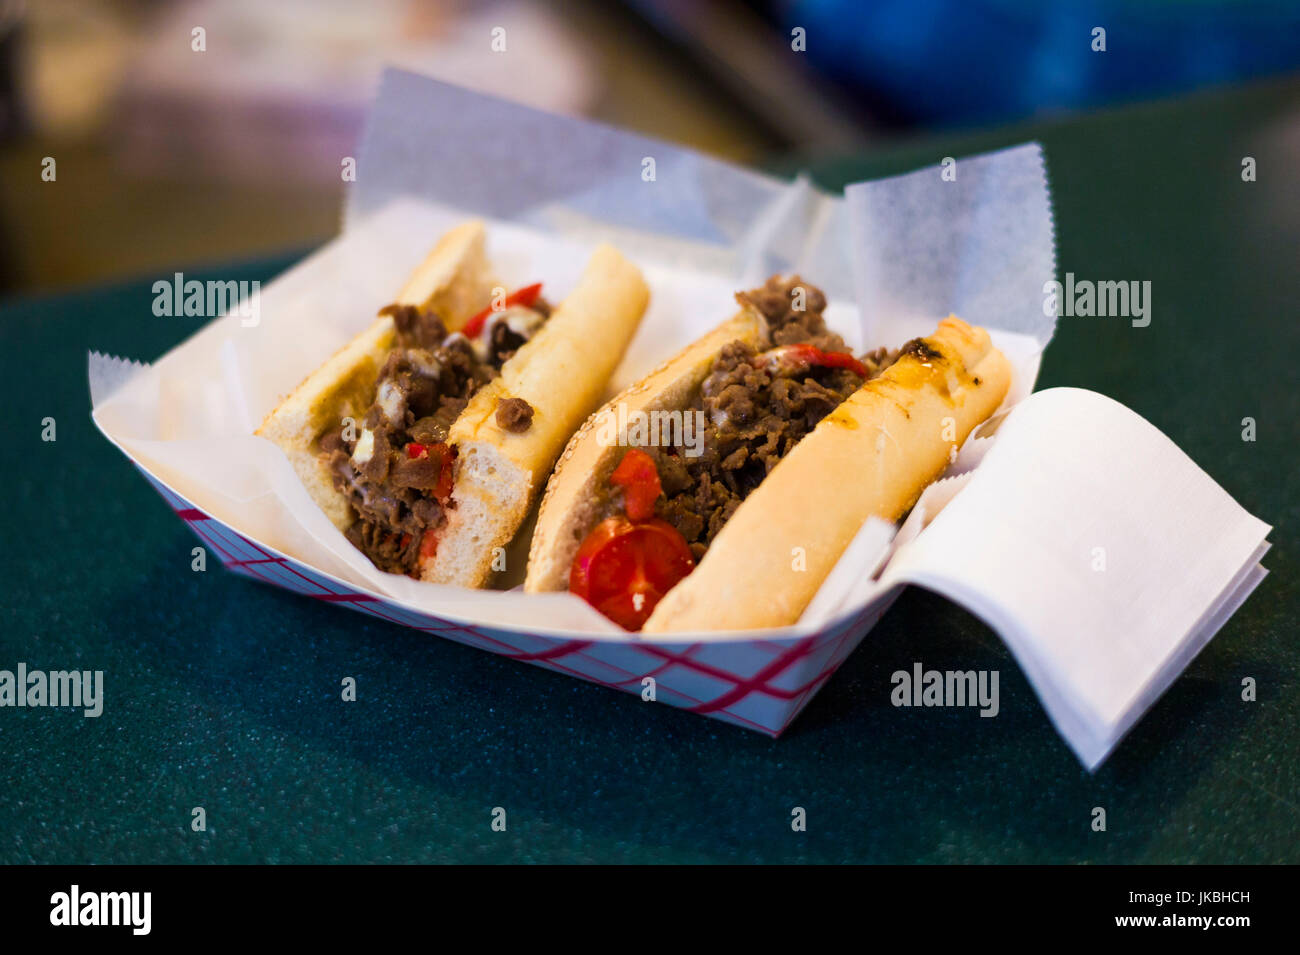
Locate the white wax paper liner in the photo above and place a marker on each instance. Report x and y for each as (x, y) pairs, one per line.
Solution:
(551, 188)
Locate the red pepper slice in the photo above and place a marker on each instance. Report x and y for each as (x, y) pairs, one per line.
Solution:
(446, 458)
(809, 355)
(637, 476)
(624, 569)
(524, 296)
(429, 544)
(448, 454)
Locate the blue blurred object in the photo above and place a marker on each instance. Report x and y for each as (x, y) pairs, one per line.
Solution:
(958, 62)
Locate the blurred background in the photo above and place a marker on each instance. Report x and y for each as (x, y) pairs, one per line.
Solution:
(167, 155)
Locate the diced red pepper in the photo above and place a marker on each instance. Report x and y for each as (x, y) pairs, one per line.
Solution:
(623, 569)
(447, 459)
(429, 544)
(525, 296)
(808, 356)
(442, 492)
(448, 455)
(637, 476)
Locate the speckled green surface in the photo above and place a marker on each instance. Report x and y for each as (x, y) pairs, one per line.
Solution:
(224, 693)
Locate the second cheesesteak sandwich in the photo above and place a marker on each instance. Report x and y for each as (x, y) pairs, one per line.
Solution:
(801, 443)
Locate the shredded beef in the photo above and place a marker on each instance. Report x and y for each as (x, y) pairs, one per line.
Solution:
(921, 349)
(793, 310)
(331, 441)
(389, 551)
(503, 341)
(423, 384)
(755, 413)
(434, 428)
(515, 415)
(416, 328)
(421, 473)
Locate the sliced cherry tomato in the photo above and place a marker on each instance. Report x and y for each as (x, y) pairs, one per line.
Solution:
(810, 355)
(637, 476)
(623, 569)
(414, 450)
(525, 297)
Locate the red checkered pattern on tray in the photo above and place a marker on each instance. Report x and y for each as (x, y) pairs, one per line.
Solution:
(758, 684)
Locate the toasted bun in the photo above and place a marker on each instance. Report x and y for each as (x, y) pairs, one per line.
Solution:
(571, 508)
(453, 280)
(871, 457)
(562, 372)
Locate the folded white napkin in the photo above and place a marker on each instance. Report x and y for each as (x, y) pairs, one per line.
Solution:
(1100, 552)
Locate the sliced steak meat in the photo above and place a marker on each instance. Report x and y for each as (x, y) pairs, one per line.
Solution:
(416, 328)
(754, 412)
(508, 330)
(394, 464)
(435, 428)
(515, 415)
(390, 551)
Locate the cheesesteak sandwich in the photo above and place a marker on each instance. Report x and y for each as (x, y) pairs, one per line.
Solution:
(427, 438)
(801, 443)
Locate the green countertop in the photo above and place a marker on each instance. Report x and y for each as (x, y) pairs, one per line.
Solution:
(224, 693)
